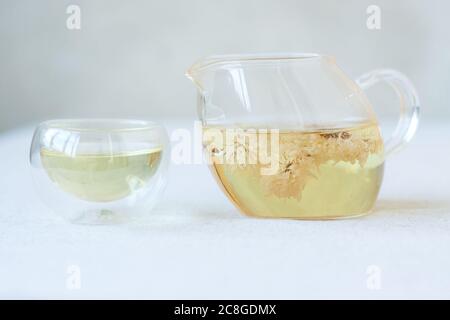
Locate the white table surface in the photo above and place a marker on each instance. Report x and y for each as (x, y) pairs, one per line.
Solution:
(196, 244)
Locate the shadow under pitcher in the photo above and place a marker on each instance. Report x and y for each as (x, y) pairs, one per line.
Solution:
(292, 136)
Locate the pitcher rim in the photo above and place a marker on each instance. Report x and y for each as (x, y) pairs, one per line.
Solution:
(212, 60)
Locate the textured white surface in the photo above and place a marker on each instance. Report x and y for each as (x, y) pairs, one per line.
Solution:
(196, 245)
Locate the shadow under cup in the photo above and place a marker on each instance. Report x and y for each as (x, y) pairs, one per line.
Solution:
(99, 171)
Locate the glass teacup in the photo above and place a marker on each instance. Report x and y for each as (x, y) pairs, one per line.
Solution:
(99, 171)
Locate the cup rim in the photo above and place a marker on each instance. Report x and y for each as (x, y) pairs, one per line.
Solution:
(101, 124)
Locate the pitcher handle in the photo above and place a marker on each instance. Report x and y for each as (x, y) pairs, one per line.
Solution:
(409, 105)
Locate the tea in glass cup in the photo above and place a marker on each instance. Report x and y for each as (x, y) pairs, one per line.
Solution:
(99, 171)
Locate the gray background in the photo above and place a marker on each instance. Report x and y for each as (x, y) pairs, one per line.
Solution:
(129, 58)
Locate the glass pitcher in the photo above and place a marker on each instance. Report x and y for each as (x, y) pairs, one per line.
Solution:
(292, 136)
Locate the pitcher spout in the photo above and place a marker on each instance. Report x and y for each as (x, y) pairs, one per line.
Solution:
(198, 73)
(193, 75)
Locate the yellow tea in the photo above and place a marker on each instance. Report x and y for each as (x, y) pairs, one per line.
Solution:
(321, 174)
(101, 177)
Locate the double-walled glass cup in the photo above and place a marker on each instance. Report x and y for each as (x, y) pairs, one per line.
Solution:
(292, 136)
(99, 171)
